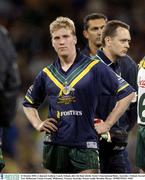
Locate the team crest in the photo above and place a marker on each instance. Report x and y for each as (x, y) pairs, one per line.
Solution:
(66, 95)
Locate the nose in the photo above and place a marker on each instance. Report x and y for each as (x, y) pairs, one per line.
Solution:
(99, 31)
(61, 40)
(127, 45)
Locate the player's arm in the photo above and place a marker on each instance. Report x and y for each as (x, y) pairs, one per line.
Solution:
(114, 85)
(47, 125)
(116, 113)
(33, 99)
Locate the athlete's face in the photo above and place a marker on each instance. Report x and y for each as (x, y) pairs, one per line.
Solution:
(119, 44)
(63, 41)
(94, 31)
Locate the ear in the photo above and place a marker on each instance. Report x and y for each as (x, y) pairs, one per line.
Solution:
(85, 33)
(75, 39)
(107, 40)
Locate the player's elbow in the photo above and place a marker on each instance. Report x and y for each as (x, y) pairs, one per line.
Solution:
(128, 99)
(132, 97)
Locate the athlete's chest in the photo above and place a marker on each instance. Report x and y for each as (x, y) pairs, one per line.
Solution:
(79, 78)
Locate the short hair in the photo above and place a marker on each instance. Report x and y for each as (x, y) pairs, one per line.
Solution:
(93, 16)
(111, 27)
(62, 22)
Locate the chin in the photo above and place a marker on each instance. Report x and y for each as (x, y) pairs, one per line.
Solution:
(63, 53)
(98, 44)
(122, 54)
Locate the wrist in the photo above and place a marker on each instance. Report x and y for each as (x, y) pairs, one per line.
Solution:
(109, 125)
(37, 124)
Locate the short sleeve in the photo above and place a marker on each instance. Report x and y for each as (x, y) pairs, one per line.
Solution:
(36, 93)
(113, 84)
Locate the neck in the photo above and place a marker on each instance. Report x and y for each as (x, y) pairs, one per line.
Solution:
(109, 55)
(93, 49)
(67, 61)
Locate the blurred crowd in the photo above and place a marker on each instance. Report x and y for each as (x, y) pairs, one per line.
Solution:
(28, 24)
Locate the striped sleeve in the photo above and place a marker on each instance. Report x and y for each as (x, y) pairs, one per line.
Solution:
(124, 89)
(36, 93)
(113, 84)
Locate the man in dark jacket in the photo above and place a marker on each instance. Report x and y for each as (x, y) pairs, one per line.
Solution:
(9, 84)
(115, 159)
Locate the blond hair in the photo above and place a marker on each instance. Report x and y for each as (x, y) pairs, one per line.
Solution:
(62, 22)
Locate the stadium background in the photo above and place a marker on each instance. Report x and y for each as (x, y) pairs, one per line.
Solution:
(28, 23)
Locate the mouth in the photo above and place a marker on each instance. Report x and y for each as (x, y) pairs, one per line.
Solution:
(63, 48)
(124, 52)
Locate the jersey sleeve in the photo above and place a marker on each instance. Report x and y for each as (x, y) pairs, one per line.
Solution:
(113, 84)
(36, 93)
(124, 89)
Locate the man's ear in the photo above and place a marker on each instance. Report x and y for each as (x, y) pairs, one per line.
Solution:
(107, 40)
(75, 39)
(85, 33)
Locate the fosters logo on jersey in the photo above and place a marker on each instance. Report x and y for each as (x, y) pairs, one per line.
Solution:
(60, 114)
(71, 113)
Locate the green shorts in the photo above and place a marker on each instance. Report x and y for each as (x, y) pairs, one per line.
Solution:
(140, 147)
(63, 159)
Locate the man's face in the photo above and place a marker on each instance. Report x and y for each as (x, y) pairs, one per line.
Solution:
(119, 44)
(94, 31)
(63, 41)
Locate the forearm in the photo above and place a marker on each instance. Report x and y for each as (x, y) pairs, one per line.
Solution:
(132, 116)
(119, 110)
(33, 116)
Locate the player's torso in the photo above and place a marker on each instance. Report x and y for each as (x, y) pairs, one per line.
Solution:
(72, 97)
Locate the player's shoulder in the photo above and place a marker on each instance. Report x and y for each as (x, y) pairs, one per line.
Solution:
(127, 60)
(95, 59)
(90, 61)
(102, 67)
(46, 70)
